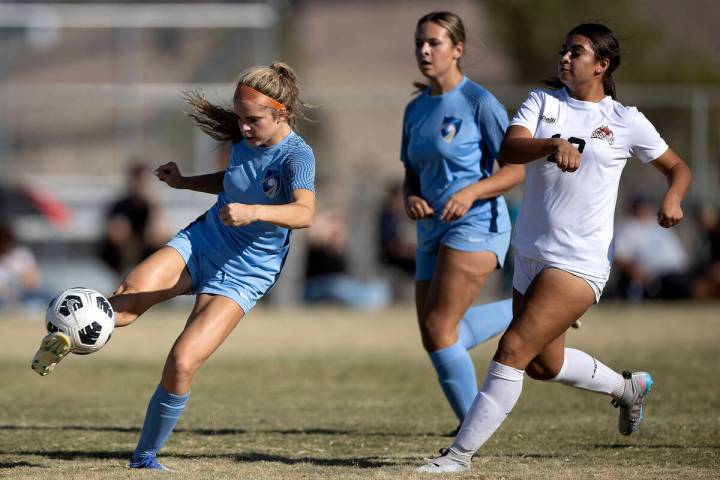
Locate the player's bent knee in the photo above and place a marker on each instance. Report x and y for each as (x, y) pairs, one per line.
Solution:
(437, 333)
(180, 370)
(438, 343)
(513, 351)
(538, 371)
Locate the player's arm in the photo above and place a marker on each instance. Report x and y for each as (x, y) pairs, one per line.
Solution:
(498, 183)
(678, 176)
(416, 207)
(492, 120)
(519, 147)
(208, 183)
(299, 213)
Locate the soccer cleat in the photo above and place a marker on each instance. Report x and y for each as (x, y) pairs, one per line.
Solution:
(449, 461)
(149, 463)
(637, 387)
(52, 349)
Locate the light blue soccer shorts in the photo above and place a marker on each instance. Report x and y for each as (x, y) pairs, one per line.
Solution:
(223, 273)
(469, 233)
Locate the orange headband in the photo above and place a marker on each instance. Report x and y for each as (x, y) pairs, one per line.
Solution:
(247, 93)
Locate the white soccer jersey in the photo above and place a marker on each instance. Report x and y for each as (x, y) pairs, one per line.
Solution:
(566, 218)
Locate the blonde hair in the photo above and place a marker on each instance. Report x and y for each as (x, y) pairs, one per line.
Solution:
(278, 81)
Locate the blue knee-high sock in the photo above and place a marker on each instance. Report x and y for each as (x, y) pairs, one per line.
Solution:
(456, 374)
(482, 322)
(163, 412)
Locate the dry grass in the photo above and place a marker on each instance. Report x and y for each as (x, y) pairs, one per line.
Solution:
(327, 393)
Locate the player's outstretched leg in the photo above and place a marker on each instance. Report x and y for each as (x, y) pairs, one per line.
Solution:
(142, 288)
(628, 391)
(637, 387)
(53, 348)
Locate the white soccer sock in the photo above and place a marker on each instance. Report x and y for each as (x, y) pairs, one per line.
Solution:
(497, 396)
(580, 370)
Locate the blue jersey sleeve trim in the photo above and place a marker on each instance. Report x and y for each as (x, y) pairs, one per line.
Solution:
(492, 120)
(299, 168)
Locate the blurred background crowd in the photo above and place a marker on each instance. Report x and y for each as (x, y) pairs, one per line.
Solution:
(90, 103)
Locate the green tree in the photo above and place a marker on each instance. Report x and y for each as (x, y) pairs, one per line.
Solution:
(533, 31)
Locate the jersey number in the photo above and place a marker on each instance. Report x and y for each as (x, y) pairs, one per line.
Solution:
(574, 140)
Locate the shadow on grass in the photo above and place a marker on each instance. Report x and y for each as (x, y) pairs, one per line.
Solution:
(361, 462)
(71, 427)
(9, 465)
(229, 431)
(251, 457)
(532, 455)
(621, 446)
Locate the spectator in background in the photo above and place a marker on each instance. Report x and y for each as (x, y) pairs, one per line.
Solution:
(396, 239)
(651, 259)
(326, 272)
(396, 248)
(134, 228)
(20, 279)
(708, 284)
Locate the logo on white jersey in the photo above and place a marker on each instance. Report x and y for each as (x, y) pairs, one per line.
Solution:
(271, 183)
(603, 132)
(449, 128)
(548, 120)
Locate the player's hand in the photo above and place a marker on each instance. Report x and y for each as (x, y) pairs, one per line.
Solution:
(417, 208)
(567, 157)
(458, 205)
(170, 174)
(670, 212)
(238, 214)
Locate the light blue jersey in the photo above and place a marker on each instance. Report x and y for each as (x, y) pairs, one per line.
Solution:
(244, 262)
(451, 141)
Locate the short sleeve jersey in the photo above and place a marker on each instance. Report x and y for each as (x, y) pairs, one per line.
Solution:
(259, 175)
(567, 217)
(451, 140)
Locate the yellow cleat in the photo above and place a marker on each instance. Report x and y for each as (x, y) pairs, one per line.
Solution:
(52, 349)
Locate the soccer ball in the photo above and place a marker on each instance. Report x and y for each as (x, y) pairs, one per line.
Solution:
(84, 315)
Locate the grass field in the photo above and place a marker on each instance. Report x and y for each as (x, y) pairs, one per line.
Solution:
(334, 394)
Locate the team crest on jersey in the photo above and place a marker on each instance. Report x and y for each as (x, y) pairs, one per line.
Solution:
(449, 128)
(271, 183)
(603, 132)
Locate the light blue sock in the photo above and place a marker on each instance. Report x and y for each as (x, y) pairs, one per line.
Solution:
(163, 412)
(482, 322)
(456, 374)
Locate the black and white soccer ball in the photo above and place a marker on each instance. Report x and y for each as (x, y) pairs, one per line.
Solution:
(84, 315)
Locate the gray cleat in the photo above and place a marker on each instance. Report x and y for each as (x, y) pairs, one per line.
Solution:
(637, 387)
